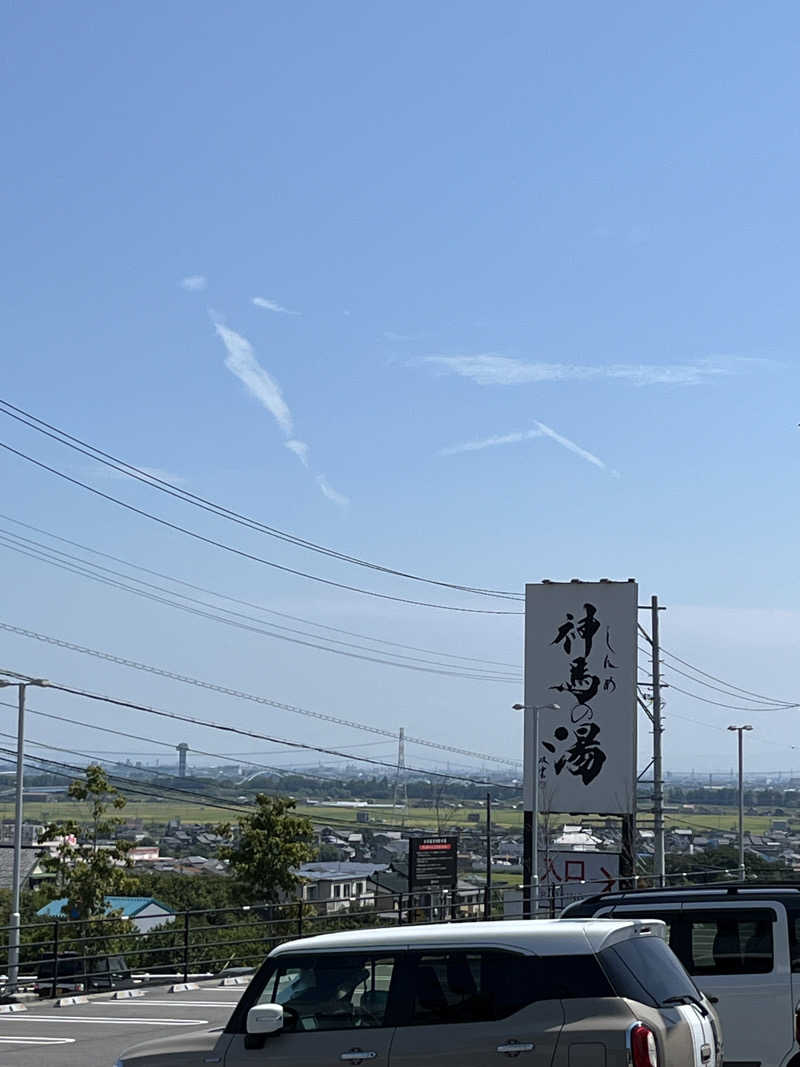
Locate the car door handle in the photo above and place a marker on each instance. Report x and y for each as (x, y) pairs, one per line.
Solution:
(357, 1055)
(513, 1048)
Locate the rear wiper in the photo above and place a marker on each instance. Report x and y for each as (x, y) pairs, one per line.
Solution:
(687, 998)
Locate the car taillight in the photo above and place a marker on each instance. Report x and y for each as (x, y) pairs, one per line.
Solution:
(643, 1047)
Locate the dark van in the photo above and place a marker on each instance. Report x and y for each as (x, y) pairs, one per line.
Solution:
(73, 974)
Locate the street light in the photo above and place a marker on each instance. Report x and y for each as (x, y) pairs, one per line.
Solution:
(21, 681)
(530, 804)
(740, 730)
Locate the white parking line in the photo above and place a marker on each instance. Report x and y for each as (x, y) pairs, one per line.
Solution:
(172, 1003)
(37, 1040)
(100, 1021)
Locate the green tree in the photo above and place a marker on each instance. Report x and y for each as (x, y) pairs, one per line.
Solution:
(90, 862)
(269, 844)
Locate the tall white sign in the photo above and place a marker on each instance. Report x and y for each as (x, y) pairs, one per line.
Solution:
(580, 653)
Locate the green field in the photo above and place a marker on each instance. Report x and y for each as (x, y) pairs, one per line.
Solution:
(155, 812)
(160, 812)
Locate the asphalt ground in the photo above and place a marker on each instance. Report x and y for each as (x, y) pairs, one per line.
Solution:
(94, 1034)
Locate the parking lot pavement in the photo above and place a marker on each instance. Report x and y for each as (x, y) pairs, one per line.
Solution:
(93, 1034)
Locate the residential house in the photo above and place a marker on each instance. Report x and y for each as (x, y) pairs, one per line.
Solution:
(145, 913)
(336, 887)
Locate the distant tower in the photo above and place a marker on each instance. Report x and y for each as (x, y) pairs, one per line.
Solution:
(400, 787)
(182, 748)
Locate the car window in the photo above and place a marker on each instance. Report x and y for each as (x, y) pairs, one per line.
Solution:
(644, 969)
(333, 992)
(731, 943)
(67, 967)
(793, 916)
(481, 985)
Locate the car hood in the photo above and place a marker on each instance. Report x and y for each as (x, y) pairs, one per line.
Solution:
(188, 1045)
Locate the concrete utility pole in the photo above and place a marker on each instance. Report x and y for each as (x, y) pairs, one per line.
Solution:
(14, 925)
(659, 868)
(740, 731)
(530, 805)
(487, 905)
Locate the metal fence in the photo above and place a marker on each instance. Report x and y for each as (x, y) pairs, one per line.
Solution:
(74, 955)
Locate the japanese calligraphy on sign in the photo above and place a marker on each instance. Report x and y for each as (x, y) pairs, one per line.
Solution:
(580, 652)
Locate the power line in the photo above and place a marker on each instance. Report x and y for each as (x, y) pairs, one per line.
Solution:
(732, 707)
(112, 777)
(126, 785)
(768, 704)
(240, 552)
(714, 678)
(99, 456)
(225, 757)
(194, 721)
(257, 626)
(241, 695)
(193, 793)
(250, 604)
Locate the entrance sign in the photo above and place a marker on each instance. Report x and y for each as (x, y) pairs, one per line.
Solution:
(567, 876)
(432, 863)
(580, 653)
(575, 875)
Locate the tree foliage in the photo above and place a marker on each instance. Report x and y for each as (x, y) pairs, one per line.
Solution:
(269, 844)
(89, 862)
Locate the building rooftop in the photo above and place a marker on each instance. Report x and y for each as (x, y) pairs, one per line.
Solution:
(129, 906)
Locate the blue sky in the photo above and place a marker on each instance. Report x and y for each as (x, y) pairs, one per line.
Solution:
(568, 236)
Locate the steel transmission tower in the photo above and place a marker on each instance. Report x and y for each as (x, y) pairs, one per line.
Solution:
(400, 787)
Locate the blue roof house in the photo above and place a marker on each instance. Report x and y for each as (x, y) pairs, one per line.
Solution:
(144, 912)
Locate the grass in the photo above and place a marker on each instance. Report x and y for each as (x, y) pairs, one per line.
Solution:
(44, 811)
(160, 812)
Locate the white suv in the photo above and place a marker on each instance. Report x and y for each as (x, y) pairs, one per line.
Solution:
(740, 942)
(549, 994)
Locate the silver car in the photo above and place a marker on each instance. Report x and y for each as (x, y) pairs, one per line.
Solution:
(561, 993)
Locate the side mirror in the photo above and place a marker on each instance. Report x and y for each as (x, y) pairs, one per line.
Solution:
(265, 1019)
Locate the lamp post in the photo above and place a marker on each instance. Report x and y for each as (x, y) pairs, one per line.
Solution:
(740, 731)
(22, 682)
(530, 804)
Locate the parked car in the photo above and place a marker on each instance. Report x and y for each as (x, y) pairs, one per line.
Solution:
(741, 944)
(558, 993)
(74, 974)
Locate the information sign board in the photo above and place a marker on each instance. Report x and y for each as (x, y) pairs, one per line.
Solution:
(432, 863)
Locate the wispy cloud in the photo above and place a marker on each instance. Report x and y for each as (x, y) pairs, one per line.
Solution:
(517, 437)
(565, 442)
(242, 362)
(300, 449)
(194, 283)
(272, 305)
(491, 442)
(490, 369)
(328, 491)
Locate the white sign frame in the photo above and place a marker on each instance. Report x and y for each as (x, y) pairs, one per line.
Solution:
(581, 653)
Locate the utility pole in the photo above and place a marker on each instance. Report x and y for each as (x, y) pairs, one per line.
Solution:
(658, 769)
(14, 925)
(740, 731)
(487, 906)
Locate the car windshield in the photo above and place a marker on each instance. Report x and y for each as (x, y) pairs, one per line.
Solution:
(646, 970)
